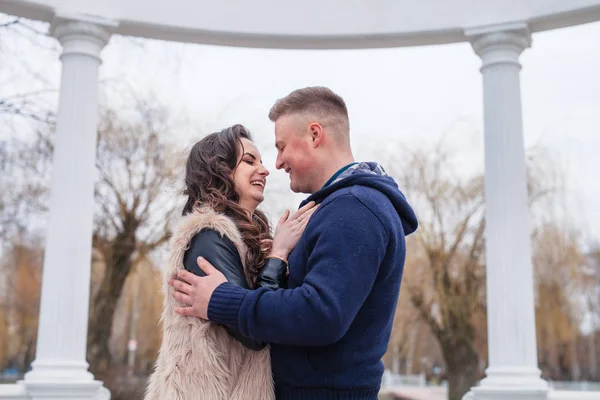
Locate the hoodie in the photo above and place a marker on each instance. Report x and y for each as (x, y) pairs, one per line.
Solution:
(329, 330)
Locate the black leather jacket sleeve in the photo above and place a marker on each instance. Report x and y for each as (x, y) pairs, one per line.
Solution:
(220, 252)
(223, 255)
(273, 274)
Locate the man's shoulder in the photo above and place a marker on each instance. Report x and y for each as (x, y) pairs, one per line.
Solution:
(359, 196)
(358, 191)
(367, 196)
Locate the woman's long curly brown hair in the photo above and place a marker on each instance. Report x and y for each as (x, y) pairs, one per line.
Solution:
(208, 181)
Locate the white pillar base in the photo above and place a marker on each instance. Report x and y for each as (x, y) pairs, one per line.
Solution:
(60, 379)
(510, 384)
(60, 370)
(56, 390)
(514, 377)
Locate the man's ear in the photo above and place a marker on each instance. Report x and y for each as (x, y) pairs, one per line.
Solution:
(316, 134)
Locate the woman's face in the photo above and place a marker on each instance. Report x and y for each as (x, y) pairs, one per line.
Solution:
(250, 176)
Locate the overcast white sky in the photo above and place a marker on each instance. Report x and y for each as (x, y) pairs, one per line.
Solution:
(409, 95)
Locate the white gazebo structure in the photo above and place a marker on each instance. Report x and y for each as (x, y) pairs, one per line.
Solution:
(499, 31)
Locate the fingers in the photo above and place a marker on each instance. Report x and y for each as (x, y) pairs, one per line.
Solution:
(304, 209)
(182, 297)
(283, 218)
(184, 275)
(266, 244)
(306, 217)
(187, 311)
(180, 286)
(205, 265)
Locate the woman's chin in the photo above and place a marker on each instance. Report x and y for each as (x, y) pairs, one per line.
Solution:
(252, 204)
(259, 199)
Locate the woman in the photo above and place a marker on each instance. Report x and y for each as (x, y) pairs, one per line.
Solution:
(225, 182)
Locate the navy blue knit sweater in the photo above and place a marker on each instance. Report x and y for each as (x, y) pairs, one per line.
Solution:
(329, 330)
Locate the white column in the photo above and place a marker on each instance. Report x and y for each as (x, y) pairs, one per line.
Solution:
(513, 371)
(60, 369)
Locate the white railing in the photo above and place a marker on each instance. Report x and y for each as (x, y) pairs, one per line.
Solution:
(558, 390)
(582, 386)
(13, 391)
(395, 380)
(572, 395)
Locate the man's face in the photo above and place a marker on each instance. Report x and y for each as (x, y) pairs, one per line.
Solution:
(295, 152)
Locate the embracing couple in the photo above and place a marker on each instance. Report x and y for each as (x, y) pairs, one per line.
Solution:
(305, 313)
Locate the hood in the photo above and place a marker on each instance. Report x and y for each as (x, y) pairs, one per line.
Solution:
(372, 175)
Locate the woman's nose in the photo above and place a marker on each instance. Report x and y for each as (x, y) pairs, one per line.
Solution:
(264, 171)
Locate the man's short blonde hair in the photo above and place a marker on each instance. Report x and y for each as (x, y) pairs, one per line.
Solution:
(318, 101)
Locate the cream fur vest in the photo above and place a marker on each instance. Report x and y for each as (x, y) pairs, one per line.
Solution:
(198, 360)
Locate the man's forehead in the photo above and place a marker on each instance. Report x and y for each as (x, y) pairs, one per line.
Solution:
(281, 127)
(282, 136)
(282, 123)
(288, 123)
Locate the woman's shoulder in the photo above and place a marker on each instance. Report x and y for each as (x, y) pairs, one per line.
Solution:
(218, 250)
(209, 237)
(207, 219)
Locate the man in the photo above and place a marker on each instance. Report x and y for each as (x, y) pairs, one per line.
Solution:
(330, 329)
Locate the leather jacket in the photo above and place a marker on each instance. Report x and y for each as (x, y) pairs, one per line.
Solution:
(223, 255)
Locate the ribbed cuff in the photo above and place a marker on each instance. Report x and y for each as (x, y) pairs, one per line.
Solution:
(295, 393)
(224, 304)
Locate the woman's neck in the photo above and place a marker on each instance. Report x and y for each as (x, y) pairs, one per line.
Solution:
(249, 209)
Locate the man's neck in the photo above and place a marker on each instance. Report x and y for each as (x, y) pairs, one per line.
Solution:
(334, 167)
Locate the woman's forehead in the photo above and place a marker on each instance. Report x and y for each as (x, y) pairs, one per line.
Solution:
(250, 147)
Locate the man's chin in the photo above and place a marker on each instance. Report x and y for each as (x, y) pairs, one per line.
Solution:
(297, 189)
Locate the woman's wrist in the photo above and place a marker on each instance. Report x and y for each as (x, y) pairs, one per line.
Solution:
(275, 253)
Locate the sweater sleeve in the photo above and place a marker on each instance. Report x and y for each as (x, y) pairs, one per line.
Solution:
(348, 245)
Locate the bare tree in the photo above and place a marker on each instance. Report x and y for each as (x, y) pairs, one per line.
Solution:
(30, 97)
(4, 334)
(27, 104)
(557, 259)
(593, 303)
(22, 271)
(445, 273)
(412, 348)
(24, 180)
(136, 168)
(138, 313)
(447, 283)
